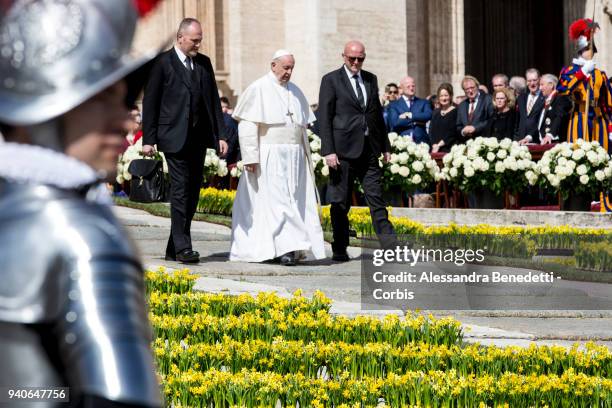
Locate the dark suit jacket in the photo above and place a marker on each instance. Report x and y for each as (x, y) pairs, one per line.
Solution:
(166, 103)
(482, 113)
(528, 124)
(342, 121)
(421, 114)
(556, 118)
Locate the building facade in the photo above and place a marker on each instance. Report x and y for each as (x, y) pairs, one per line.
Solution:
(434, 41)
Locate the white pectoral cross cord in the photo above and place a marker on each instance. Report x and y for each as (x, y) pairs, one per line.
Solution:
(289, 114)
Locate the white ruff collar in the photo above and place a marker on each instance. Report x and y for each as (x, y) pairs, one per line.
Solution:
(579, 61)
(25, 163)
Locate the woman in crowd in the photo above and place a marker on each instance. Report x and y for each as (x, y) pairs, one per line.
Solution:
(442, 128)
(502, 123)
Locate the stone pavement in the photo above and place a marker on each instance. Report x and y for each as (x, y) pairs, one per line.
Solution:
(341, 283)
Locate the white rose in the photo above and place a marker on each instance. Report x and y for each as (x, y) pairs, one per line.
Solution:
(325, 171)
(584, 179)
(581, 170)
(416, 179)
(566, 152)
(602, 156)
(608, 170)
(587, 146)
(394, 168)
(214, 161)
(578, 154)
(404, 171)
(553, 180)
(468, 171)
(592, 156)
(234, 172)
(531, 177)
(315, 158)
(430, 164)
(447, 159)
(418, 166)
(571, 164)
(207, 161)
(505, 143)
(499, 167)
(510, 163)
(491, 142)
(490, 156)
(453, 172)
(502, 154)
(599, 175)
(403, 158)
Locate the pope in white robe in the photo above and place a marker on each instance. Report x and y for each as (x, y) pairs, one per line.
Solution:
(275, 211)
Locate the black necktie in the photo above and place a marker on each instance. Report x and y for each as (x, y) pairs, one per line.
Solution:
(360, 97)
(190, 69)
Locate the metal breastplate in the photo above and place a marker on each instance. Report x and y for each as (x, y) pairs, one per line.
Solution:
(72, 308)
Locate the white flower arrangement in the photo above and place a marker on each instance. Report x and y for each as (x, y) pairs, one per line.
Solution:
(131, 153)
(410, 166)
(213, 165)
(581, 167)
(321, 170)
(237, 170)
(486, 163)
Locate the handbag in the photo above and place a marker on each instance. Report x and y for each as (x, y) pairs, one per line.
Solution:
(148, 184)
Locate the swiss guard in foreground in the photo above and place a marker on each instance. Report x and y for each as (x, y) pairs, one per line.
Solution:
(590, 90)
(72, 306)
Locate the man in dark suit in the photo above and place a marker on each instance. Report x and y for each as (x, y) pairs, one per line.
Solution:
(553, 121)
(353, 136)
(182, 116)
(529, 105)
(409, 114)
(474, 112)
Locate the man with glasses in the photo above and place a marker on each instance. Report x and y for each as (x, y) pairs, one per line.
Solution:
(353, 137)
(529, 105)
(391, 95)
(474, 112)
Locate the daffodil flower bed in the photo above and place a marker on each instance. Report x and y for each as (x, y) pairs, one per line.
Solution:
(203, 327)
(250, 388)
(242, 351)
(378, 359)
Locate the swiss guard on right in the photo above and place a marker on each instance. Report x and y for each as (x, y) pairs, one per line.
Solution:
(583, 82)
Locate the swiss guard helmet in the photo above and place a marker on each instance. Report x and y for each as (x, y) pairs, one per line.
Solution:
(581, 32)
(56, 54)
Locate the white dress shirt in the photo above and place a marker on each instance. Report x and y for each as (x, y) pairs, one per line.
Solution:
(361, 84)
(184, 58)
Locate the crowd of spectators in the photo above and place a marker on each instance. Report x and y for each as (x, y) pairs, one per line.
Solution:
(519, 108)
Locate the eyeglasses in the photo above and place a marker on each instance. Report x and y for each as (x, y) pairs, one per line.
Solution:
(353, 59)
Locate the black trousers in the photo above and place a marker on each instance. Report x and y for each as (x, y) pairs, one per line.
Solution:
(186, 169)
(340, 189)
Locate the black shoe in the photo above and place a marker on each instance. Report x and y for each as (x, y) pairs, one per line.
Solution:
(340, 257)
(188, 256)
(170, 258)
(288, 259)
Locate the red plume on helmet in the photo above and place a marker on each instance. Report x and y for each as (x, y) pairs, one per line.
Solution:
(145, 6)
(583, 27)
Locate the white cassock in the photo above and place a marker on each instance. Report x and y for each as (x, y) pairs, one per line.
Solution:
(275, 210)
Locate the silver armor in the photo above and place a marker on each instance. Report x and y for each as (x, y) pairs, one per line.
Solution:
(71, 299)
